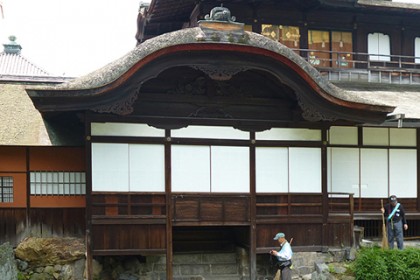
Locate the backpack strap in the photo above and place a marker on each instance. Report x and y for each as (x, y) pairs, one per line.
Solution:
(393, 211)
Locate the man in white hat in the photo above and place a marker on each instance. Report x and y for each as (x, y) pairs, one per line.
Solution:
(284, 257)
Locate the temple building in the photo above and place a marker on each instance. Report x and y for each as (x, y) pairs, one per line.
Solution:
(228, 122)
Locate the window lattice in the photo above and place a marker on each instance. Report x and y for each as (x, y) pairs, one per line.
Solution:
(58, 183)
(6, 189)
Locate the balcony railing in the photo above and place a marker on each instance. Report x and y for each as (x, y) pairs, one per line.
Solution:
(364, 67)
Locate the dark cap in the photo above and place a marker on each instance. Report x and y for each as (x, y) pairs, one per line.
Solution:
(393, 198)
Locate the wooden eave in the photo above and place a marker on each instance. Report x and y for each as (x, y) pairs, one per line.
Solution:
(315, 94)
(169, 15)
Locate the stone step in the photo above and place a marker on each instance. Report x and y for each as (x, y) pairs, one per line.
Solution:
(218, 277)
(218, 258)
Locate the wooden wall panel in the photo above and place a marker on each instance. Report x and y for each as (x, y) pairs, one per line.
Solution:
(52, 201)
(186, 209)
(60, 222)
(12, 225)
(237, 210)
(157, 236)
(128, 237)
(57, 159)
(211, 209)
(42, 222)
(13, 159)
(306, 234)
(338, 235)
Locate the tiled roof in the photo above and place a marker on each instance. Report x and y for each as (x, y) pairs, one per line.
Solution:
(18, 65)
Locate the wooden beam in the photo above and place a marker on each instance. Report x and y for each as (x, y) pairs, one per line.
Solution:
(128, 252)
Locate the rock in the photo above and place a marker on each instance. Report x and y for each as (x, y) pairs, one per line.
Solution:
(49, 269)
(351, 254)
(41, 276)
(8, 269)
(127, 276)
(96, 269)
(337, 268)
(307, 277)
(132, 264)
(57, 268)
(78, 269)
(50, 251)
(66, 272)
(39, 269)
(367, 243)
(321, 268)
(21, 265)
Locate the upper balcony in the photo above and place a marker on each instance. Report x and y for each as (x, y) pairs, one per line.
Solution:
(363, 67)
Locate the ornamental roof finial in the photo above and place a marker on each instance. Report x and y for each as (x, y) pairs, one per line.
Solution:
(220, 26)
(220, 14)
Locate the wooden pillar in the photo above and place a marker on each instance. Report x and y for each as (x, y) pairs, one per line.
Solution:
(168, 190)
(253, 210)
(418, 168)
(88, 158)
(324, 184)
(303, 40)
(28, 189)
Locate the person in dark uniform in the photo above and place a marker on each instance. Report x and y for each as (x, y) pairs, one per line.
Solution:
(395, 221)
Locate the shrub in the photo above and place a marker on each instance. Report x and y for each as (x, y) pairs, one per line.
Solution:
(378, 264)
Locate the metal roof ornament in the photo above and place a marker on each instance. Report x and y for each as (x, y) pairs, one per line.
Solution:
(220, 14)
(12, 47)
(220, 26)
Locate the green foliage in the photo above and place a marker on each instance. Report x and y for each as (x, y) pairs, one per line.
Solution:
(22, 276)
(331, 268)
(378, 264)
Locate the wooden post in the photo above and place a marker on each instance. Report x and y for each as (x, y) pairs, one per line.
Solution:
(324, 186)
(88, 158)
(168, 190)
(418, 168)
(253, 210)
(28, 191)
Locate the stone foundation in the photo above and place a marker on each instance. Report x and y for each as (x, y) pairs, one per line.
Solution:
(192, 266)
(212, 266)
(70, 265)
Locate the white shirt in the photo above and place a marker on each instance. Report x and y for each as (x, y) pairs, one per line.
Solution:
(285, 252)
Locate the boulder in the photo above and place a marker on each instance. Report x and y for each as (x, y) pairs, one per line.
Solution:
(50, 251)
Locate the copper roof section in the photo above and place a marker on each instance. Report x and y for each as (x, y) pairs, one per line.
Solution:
(18, 65)
(13, 63)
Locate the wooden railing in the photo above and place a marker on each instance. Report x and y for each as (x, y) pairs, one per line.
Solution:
(353, 66)
(211, 209)
(128, 204)
(303, 204)
(208, 208)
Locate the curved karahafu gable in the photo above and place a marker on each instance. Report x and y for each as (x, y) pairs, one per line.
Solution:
(207, 66)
